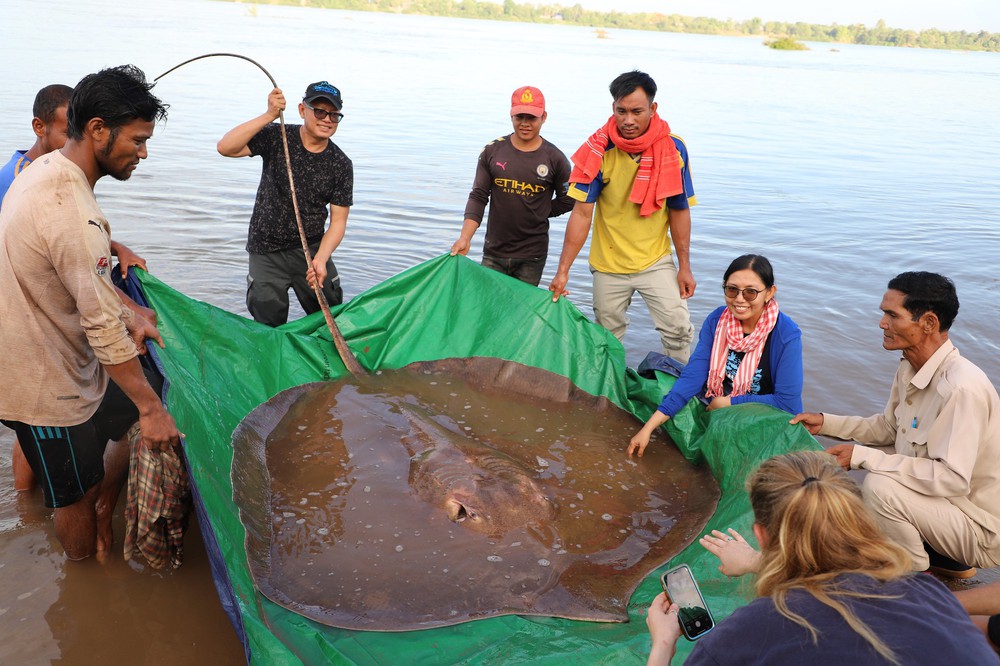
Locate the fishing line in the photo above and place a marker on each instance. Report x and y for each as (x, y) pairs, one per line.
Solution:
(346, 355)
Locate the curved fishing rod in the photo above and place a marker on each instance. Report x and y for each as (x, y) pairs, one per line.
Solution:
(345, 353)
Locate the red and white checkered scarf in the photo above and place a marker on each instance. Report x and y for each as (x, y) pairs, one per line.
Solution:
(729, 335)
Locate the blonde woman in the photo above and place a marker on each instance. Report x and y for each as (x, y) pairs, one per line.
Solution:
(831, 589)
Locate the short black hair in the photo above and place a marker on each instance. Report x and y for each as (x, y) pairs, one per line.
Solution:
(48, 100)
(626, 84)
(927, 292)
(754, 262)
(117, 95)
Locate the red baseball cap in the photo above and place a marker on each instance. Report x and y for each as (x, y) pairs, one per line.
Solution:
(527, 100)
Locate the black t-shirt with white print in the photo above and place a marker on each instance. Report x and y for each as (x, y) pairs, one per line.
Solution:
(321, 179)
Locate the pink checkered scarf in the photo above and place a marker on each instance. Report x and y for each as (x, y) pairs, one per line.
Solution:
(729, 335)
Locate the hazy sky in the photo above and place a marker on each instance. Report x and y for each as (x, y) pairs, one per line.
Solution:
(971, 15)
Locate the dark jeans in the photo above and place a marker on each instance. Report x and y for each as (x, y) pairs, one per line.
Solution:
(524, 269)
(272, 274)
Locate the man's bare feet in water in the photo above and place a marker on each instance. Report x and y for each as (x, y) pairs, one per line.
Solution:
(105, 534)
(76, 525)
(116, 462)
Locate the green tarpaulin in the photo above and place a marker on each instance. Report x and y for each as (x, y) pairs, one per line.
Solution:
(221, 366)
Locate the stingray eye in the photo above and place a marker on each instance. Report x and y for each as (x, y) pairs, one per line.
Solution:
(473, 515)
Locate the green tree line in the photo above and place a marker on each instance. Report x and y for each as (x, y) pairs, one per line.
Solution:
(509, 10)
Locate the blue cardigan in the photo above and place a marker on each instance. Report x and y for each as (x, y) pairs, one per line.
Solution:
(786, 368)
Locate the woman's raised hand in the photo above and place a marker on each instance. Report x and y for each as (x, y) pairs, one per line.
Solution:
(736, 556)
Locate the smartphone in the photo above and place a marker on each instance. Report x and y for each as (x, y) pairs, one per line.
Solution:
(695, 618)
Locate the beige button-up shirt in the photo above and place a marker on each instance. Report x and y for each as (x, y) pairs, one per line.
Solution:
(60, 316)
(941, 433)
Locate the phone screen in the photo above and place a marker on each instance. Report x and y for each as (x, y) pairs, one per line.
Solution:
(694, 615)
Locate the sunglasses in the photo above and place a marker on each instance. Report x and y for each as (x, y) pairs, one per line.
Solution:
(749, 293)
(321, 114)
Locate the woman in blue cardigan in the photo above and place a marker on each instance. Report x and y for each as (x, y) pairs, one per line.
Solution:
(748, 351)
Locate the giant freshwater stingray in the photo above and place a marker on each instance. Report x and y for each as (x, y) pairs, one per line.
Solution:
(453, 491)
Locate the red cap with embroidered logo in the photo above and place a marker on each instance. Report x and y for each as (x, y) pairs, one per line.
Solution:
(527, 100)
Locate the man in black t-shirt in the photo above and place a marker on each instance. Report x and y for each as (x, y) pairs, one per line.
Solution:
(324, 177)
(524, 179)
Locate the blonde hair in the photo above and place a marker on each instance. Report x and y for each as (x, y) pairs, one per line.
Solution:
(818, 528)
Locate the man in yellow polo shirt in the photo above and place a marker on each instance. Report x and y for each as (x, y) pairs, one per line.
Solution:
(636, 176)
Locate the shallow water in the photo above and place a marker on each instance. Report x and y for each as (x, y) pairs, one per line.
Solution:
(83, 613)
(843, 167)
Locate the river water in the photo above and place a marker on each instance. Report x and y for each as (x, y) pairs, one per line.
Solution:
(844, 165)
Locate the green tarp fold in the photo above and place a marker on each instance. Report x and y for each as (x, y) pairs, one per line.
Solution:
(221, 366)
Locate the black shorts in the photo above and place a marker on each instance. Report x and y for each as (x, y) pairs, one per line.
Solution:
(68, 461)
(272, 274)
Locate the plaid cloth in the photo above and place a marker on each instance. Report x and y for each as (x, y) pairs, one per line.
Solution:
(159, 502)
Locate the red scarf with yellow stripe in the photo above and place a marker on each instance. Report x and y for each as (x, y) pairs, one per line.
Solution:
(659, 174)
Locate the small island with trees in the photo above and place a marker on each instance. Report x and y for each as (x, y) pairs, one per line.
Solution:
(786, 44)
(775, 31)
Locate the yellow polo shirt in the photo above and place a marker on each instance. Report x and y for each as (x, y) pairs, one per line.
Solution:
(623, 241)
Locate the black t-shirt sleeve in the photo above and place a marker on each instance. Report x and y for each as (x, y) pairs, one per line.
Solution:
(475, 207)
(263, 141)
(343, 192)
(563, 202)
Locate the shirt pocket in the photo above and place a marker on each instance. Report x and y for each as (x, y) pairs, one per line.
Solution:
(916, 440)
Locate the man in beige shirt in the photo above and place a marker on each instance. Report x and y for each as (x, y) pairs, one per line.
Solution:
(65, 331)
(933, 455)
(49, 126)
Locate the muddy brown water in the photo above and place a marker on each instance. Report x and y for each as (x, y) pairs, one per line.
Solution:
(93, 614)
(416, 499)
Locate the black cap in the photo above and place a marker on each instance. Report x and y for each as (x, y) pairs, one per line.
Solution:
(323, 90)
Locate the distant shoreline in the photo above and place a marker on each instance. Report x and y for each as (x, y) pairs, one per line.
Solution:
(878, 35)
